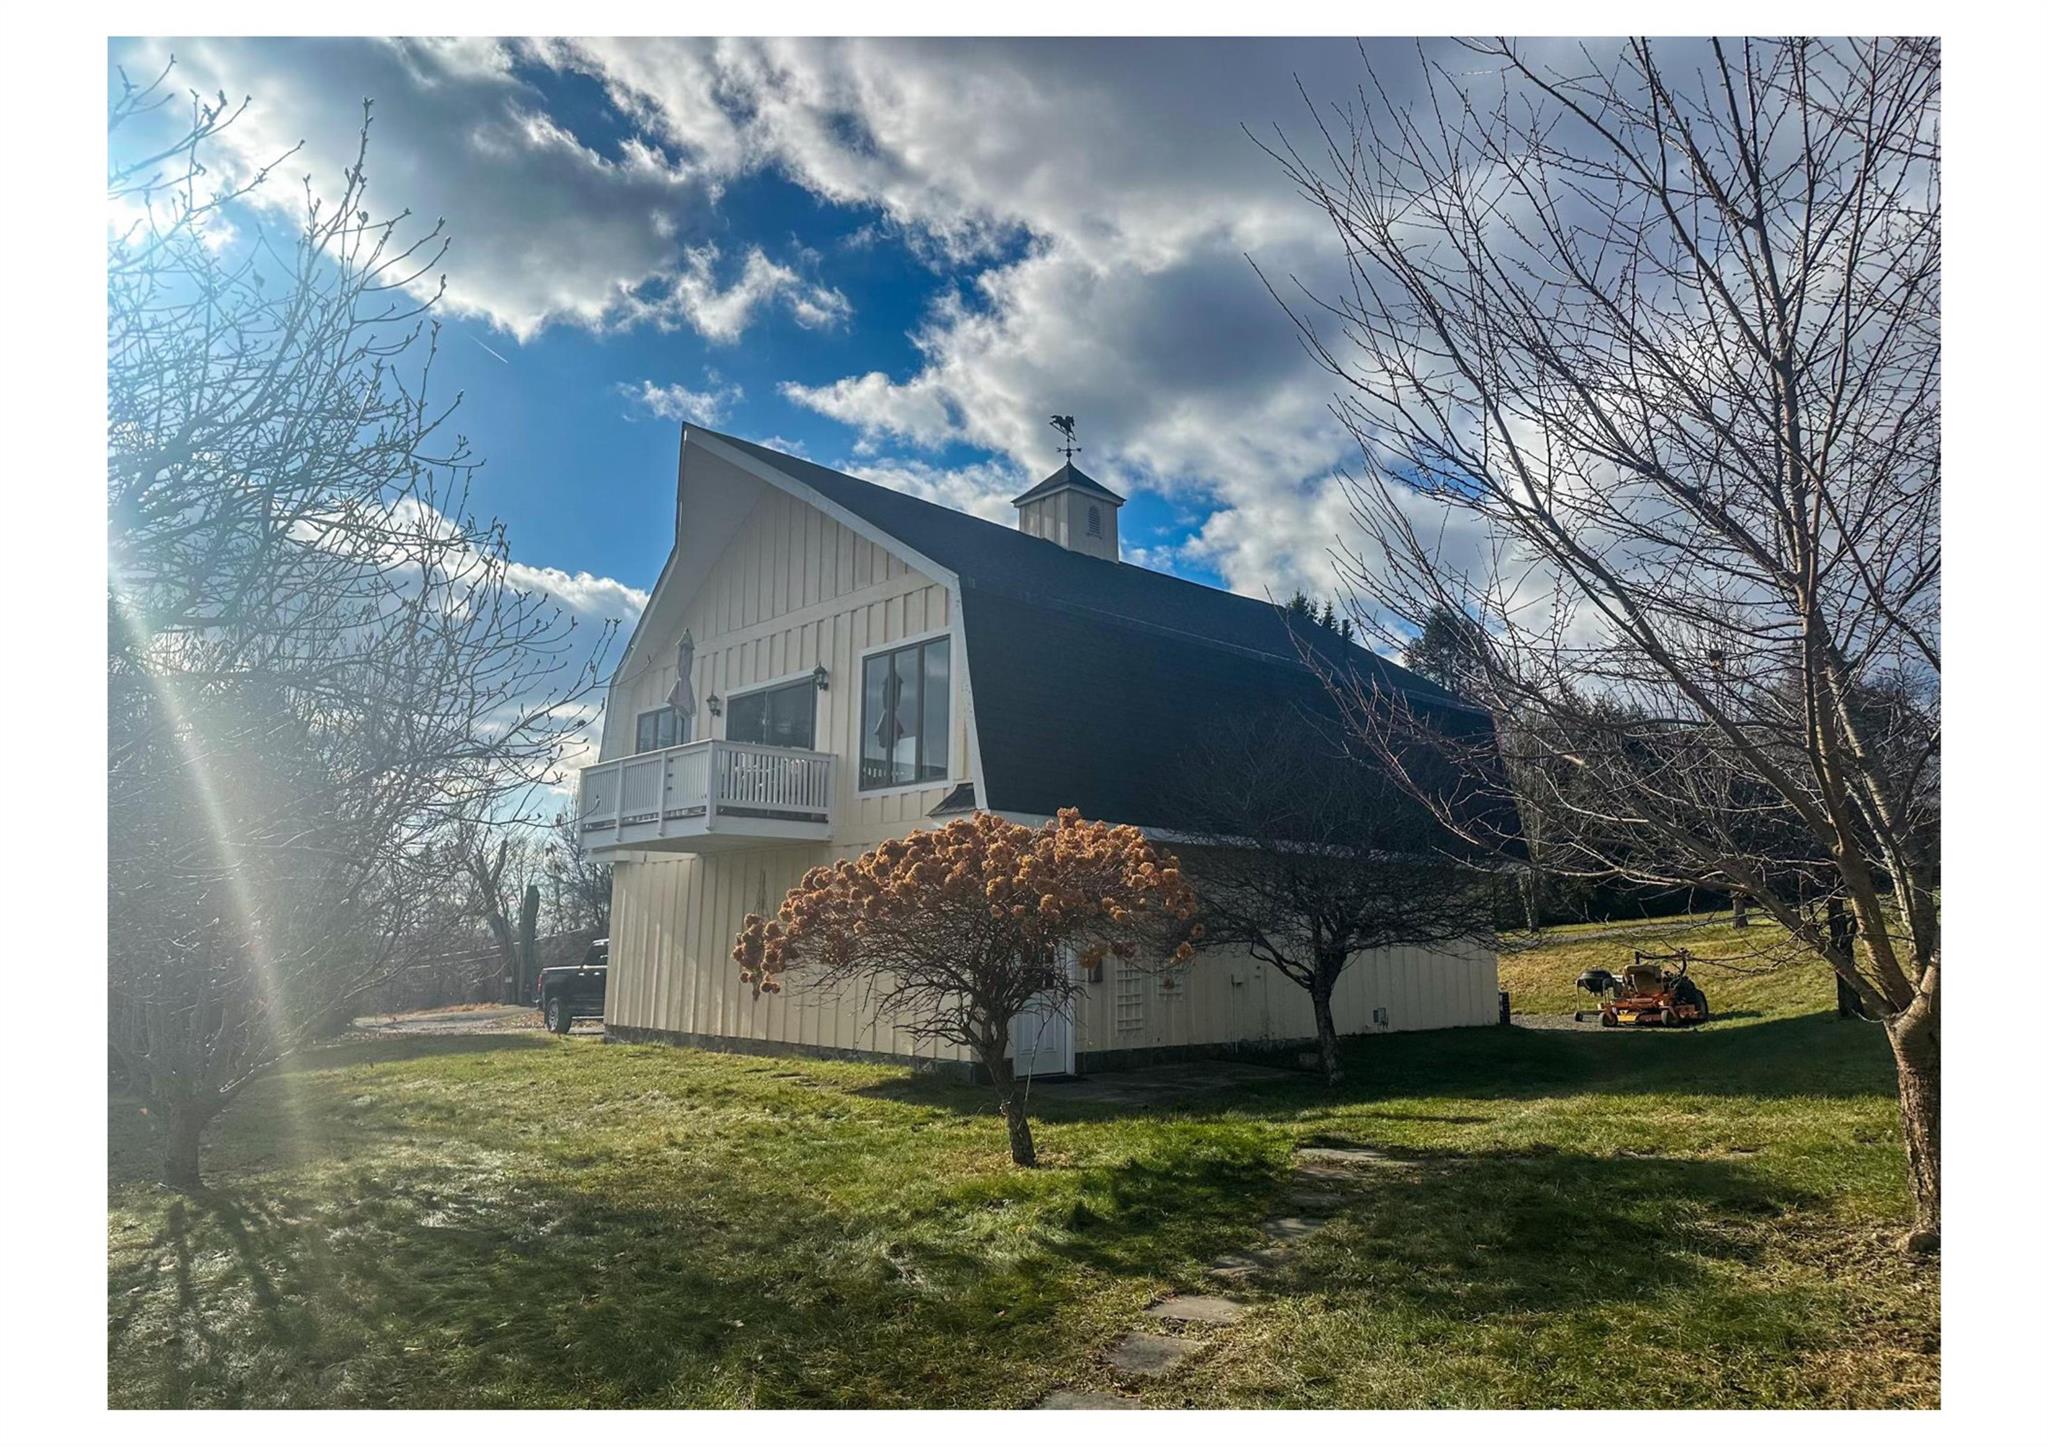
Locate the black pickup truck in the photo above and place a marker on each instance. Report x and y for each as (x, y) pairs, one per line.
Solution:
(570, 992)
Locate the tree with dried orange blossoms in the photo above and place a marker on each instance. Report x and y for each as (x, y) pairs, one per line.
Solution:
(951, 932)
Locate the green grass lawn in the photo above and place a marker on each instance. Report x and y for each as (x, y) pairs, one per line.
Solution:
(1742, 970)
(1599, 1219)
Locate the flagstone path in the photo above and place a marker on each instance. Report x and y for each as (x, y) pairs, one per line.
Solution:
(1318, 1184)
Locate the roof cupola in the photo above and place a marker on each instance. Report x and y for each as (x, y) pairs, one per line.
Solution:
(1070, 507)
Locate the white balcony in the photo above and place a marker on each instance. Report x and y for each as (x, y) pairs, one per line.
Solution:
(707, 795)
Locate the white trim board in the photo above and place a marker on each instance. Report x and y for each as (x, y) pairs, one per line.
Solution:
(906, 642)
(782, 481)
(808, 675)
(956, 684)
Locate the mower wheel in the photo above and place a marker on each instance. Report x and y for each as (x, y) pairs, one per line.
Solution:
(1607, 1021)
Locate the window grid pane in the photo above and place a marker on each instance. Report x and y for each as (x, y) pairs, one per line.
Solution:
(782, 717)
(659, 728)
(932, 729)
(905, 715)
(873, 750)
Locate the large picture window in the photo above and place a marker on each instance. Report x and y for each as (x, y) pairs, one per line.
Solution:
(785, 716)
(906, 715)
(659, 728)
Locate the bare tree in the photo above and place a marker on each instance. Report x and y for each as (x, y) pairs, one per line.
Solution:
(315, 661)
(581, 885)
(1305, 853)
(498, 863)
(1449, 650)
(1643, 355)
(484, 867)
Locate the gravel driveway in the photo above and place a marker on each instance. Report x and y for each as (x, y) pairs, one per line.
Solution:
(492, 1019)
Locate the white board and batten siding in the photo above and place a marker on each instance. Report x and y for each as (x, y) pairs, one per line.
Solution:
(793, 590)
(1225, 996)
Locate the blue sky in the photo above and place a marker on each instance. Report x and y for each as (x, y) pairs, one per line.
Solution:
(895, 257)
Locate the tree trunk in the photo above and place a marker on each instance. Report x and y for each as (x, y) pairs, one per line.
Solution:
(1847, 1003)
(529, 928)
(1023, 1150)
(1916, 1047)
(1326, 1028)
(1010, 1091)
(1742, 911)
(1841, 935)
(184, 1122)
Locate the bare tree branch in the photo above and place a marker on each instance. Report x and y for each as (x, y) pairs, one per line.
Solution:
(1644, 362)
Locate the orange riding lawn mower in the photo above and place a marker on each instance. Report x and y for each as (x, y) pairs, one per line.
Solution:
(1649, 992)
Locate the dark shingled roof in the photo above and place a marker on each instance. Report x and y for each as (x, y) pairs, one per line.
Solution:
(1067, 476)
(1092, 678)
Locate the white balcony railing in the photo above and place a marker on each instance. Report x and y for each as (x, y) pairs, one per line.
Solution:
(701, 790)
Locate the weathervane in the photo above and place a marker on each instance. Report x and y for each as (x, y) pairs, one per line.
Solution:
(1065, 427)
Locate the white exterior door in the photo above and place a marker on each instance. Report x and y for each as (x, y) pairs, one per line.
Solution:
(1042, 1040)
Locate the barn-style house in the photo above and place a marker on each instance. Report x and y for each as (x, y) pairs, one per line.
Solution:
(826, 663)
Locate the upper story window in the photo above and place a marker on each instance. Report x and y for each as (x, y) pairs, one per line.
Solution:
(785, 715)
(659, 728)
(1094, 521)
(906, 699)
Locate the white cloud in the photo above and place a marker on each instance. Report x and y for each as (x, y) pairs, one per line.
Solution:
(692, 294)
(585, 595)
(1097, 199)
(1111, 211)
(603, 611)
(915, 411)
(591, 618)
(678, 403)
(546, 229)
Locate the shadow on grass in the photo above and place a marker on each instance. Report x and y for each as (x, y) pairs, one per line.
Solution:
(307, 1300)
(1805, 1055)
(732, 1267)
(257, 1130)
(555, 1297)
(1550, 1231)
(550, 1296)
(1451, 1234)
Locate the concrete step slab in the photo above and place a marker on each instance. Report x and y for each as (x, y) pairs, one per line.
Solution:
(1202, 1309)
(1143, 1354)
(1293, 1227)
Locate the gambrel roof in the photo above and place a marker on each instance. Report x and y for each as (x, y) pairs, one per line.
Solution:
(1092, 678)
